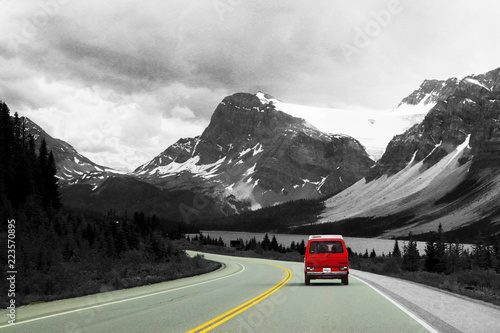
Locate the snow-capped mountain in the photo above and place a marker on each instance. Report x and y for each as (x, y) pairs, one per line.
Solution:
(440, 165)
(253, 152)
(444, 169)
(72, 167)
(87, 185)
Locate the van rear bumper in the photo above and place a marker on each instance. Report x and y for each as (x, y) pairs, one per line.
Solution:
(341, 273)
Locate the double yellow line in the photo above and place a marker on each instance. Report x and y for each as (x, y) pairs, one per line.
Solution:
(245, 306)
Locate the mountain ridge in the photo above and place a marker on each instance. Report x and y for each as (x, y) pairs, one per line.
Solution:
(443, 170)
(255, 152)
(73, 167)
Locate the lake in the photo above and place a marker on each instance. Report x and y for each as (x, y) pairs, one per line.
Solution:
(359, 245)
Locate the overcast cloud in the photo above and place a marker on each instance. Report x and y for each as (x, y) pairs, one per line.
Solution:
(122, 80)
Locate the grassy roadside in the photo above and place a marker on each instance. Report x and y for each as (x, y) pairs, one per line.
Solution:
(93, 275)
(478, 284)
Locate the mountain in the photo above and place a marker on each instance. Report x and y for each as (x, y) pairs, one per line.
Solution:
(90, 186)
(442, 170)
(255, 153)
(72, 167)
(250, 155)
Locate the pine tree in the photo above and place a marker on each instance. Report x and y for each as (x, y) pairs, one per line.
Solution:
(496, 253)
(23, 174)
(274, 244)
(441, 255)
(109, 242)
(396, 252)
(6, 146)
(133, 238)
(52, 183)
(17, 128)
(411, 256)
(301, 248)
(430, 256)
(266, 243)
(121, 244)
(481, 253)
(42, 161)
(455, 257)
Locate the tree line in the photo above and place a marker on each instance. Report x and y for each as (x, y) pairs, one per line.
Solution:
(27, 174)
(442, 256)
(60, 250)
(267, 244)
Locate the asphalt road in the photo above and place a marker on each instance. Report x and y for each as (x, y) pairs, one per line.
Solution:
(248, 295)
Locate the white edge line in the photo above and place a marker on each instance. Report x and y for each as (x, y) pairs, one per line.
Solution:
(122, 300)
(405, 310)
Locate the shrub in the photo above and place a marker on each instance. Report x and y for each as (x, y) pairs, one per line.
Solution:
(479, 278)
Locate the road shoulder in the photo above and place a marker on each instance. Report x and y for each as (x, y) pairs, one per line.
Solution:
(444, 311)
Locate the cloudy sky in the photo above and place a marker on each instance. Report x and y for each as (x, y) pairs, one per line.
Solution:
(122, 80)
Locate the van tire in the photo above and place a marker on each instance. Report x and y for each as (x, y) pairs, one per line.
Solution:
(345, 281)
(307, 280)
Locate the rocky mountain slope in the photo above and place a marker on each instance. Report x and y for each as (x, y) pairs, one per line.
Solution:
(254, 153)
(72, 167)
(441, 170)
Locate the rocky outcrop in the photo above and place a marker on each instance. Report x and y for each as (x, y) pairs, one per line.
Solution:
(430, 91)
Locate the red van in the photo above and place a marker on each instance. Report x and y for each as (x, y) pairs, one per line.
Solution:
(326, 258)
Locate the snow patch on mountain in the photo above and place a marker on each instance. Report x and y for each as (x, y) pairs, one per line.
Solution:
(192, 165)
(476, 82)
(265, 99)
(258, 148)
(244, 191)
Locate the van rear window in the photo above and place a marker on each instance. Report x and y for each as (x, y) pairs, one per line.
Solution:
(326, 247)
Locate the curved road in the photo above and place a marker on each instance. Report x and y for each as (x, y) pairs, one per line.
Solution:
(247, 295)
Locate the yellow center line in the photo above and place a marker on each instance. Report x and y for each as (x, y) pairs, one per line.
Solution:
(245, 306)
